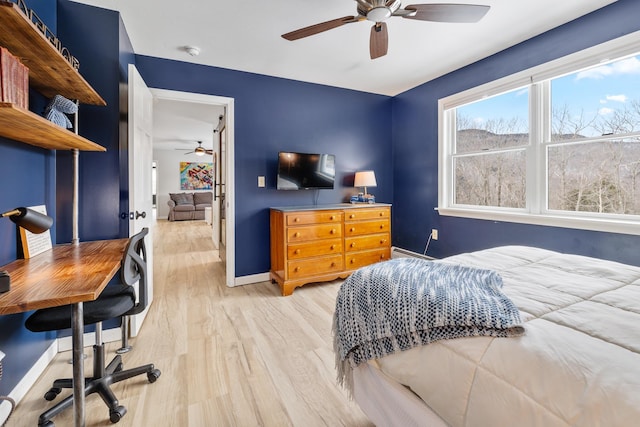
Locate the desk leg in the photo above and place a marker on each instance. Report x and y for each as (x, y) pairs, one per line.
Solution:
(77, 327)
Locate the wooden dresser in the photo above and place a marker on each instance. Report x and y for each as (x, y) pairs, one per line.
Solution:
(323, 243)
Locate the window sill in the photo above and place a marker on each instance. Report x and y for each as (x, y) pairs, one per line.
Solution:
(593, 224)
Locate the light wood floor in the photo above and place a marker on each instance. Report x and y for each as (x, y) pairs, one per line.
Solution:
(241, 356)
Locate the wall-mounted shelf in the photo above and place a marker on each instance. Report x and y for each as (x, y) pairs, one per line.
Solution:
(23, 125)
(49, 72)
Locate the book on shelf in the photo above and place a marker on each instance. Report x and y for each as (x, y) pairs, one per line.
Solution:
(14, 80)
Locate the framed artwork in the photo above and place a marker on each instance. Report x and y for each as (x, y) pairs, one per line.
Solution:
(196, 176)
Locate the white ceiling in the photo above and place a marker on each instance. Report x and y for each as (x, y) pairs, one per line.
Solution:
(179, 125)
(245, 35)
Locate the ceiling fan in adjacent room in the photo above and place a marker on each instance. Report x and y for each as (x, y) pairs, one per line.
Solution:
(199, 150)
(378, 11)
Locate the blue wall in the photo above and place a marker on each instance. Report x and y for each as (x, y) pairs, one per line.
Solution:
(272, 115)
(415, 150)
(27, 175)
(33, 176)
(93, 35)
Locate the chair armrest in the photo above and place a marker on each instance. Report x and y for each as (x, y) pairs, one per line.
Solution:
(171, 203)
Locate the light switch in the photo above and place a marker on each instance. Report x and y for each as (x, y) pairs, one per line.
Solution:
(261, 182)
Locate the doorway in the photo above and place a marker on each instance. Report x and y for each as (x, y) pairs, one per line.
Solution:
(225, 164)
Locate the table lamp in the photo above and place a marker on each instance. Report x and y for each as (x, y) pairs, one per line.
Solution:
(365, 179)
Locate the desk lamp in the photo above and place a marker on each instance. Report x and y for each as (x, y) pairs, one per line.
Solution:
(30, 220)
(365, 179)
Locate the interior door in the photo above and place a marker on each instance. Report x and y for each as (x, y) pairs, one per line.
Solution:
(220, 184)
(140, 174)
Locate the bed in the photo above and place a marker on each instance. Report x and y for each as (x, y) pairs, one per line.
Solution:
(576, 363)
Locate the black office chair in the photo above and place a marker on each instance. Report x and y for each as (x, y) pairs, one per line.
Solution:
(117, 300)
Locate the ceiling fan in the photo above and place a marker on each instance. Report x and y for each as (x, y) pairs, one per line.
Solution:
(378, 11)
(199, 150)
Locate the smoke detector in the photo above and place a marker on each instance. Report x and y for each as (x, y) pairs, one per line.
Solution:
(192, 50)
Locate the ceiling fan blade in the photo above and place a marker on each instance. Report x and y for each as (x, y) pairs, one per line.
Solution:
(319, 28)
(209, 152)
(379, 40)
(465, 13)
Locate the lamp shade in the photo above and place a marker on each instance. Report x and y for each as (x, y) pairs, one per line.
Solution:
(365, 179)
(30, 220)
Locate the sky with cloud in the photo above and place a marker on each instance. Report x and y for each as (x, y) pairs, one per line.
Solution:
(599, 90)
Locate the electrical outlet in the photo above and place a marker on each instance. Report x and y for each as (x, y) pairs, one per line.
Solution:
(261, 181)
(434, 234)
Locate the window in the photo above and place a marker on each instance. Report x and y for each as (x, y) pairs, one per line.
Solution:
(557, 145)
(489, 159)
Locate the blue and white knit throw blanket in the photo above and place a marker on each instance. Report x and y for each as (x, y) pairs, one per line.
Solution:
(404, 303)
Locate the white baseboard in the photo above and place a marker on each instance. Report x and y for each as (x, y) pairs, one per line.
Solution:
(29, 380)
(253, 278)
(397, 252)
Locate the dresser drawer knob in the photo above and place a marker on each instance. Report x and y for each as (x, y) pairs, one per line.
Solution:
(333, 264)
(353, 244)
(381, 213)
(352, 229)
(296, 269)
(296, 235)
(332, 217)
(296, 219)
(383, 241)
(333, 231)
(381, 226)
(332, 247)
(352, 216)
(352, 261)
(297, 251)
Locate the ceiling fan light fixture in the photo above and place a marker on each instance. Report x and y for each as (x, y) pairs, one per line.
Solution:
(378, 11)
(378, 14)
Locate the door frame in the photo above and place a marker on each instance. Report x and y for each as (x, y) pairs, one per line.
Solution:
(228, 103)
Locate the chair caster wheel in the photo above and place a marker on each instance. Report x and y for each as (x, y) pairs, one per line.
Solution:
(116, 414)
(52, 393)
(153, 375)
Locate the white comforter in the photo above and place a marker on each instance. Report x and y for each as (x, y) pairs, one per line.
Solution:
(578, 363)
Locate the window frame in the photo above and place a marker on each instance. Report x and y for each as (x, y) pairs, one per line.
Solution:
(537, 79)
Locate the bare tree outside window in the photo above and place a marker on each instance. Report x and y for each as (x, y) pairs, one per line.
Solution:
(589, 157)
(490, 162)
(594, 165)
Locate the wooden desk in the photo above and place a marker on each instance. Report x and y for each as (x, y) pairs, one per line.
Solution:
(68, 274)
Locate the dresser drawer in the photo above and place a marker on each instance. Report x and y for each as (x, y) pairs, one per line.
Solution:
(312, 267)
(318, 217)
(313, 232)
(374, 241)
(314, 248)
(366, 213)
(366, 227)
(354, 260)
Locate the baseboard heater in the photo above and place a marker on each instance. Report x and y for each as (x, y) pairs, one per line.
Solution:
(405, 253)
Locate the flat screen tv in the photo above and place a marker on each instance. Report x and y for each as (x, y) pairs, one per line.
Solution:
(305, 171)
